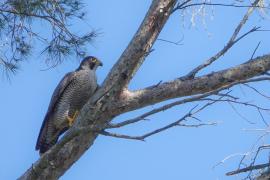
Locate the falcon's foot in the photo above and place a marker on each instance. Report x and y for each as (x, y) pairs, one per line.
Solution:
(72, 119)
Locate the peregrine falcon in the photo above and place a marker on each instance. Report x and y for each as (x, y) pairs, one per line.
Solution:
(68, 98)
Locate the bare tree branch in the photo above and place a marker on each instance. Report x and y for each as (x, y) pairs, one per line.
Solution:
(241, 103)
(201, 97)
(257, 91)
(251, 167)
(134, 55)
(121, 136)
(181, 6)
(176, 123)
(179, 88)
(230, 43)
(143, 137)
(252, 56)
(247, 169)
(190, 114)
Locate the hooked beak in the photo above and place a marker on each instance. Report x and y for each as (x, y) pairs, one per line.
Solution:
(100, 63)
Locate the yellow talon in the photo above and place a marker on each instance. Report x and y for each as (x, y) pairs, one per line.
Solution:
(71, 119)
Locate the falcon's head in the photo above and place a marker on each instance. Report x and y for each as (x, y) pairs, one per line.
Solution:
(90, 62)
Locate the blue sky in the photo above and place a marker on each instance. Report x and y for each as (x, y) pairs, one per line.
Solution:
(179, 153)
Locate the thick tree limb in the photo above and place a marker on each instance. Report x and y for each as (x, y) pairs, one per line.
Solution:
(134, 55)
(180, 88)
(201, 97)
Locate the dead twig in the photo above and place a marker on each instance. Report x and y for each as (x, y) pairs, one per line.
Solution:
(190, 114)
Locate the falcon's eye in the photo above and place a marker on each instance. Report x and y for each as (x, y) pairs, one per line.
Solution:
(94, 60)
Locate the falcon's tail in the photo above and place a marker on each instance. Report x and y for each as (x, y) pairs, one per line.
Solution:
(47, 136)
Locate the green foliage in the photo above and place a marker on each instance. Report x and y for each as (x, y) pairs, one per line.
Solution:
(18, 36)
